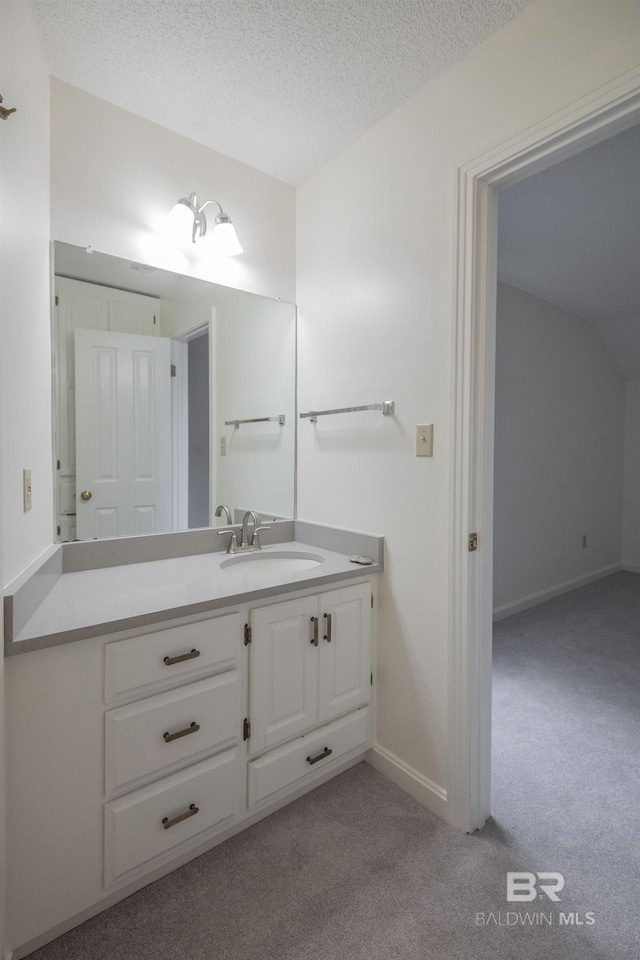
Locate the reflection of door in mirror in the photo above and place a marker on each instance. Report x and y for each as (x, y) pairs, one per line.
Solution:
(123, 434)
(87, 306)
(133, 422)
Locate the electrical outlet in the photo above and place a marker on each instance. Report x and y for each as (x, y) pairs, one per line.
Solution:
(424, 440)
(223, 446)
(26, 490)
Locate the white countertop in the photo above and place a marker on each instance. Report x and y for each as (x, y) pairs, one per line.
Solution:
(101, 601)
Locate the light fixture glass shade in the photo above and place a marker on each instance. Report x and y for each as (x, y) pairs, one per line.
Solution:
(179, 224)
(224, 242)
(188, 219)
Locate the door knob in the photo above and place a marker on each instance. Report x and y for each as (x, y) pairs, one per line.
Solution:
(85, 495)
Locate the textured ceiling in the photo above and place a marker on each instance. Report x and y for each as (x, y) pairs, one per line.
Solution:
(282, 85)
(571, 235)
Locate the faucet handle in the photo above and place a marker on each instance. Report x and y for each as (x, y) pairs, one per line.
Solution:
(233, 542)
(255, 539)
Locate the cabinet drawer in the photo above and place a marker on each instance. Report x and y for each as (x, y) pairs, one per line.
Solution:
(283, 766)
(160, 659)
(163, 732)
(134, 829)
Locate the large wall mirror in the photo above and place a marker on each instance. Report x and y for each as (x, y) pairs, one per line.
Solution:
(174, 400)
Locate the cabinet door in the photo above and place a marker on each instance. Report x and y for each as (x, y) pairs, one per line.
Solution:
(135, 314)
(344, 665)
(153, 736)
(284, 675)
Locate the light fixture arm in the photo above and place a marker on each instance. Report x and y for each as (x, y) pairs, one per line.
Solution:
(199, 219)
(199, 228)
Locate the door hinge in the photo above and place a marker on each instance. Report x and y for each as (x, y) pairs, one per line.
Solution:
(247, 634)
(473, 542)
(246, 728)
(59, 530)
(57, 464)
(173, 370)
(154, 320)
(57, 300)
(371, 679)
(372, 601)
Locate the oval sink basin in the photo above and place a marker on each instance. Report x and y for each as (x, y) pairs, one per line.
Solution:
(272, 562)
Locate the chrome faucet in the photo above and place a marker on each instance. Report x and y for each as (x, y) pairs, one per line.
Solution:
(249, 515)
(255, 539)
(246, 545)
(219, 510)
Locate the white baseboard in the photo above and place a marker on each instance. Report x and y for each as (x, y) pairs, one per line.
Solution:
(517, 606)
(425, 791)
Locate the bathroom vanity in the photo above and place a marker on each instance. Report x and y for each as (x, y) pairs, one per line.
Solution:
(156, 708)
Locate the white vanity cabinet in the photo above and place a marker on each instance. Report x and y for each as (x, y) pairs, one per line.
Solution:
(129, 754)
(148, 739)
(310, 663)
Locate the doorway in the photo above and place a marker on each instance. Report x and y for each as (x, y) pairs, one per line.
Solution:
(199, 431)
(471, 575)
(565, 599)
(191, 398)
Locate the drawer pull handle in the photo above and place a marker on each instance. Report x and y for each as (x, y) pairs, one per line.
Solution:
(314, 638)
(325, 753)
(327, 635)
(183, 656)
(192, 728)
(191, 812)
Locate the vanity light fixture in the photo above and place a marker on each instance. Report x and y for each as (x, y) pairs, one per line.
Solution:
(224, 240)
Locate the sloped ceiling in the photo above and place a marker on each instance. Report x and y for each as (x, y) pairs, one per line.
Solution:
(571, 235)
(282, 85)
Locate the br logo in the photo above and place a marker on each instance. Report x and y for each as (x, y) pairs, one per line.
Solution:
(524, 886)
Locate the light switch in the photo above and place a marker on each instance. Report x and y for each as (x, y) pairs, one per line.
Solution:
(424, 440)
(223, 446)
(26, 490)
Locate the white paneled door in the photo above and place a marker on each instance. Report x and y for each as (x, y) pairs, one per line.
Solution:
(123, 434)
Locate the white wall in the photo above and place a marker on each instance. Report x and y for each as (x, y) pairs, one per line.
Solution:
(25, 385)
(25, 357)
(115, 177)
(376, 268)
(559, 438)
(631, 513)
(254, 350)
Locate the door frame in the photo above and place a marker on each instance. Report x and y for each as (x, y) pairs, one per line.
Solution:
(608, 110)
(180, 418)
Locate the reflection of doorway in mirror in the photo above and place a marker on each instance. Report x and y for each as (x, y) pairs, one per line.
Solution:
(199, 432)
